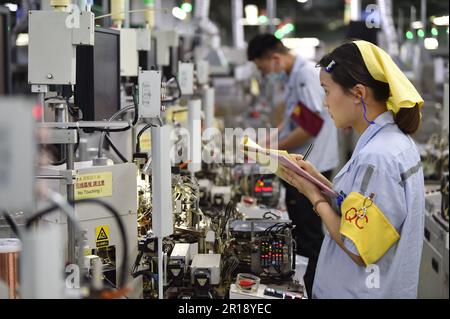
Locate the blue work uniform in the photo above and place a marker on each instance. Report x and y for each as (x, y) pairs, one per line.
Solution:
(385, 162)
(304, 96)
(303, 86)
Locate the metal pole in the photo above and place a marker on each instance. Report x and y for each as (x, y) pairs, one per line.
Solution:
(158, 14)
(60, 116)
(160, 269)
(237, 8)
(42, 98)
(58, 177)
(127, 14)
(412, 15)
(201, 9)
(423, 14)
(208, 102)
(271, 12)
(70, 165)
(162, 221)
(401, 22)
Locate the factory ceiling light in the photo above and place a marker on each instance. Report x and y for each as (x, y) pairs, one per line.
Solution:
(417, 24)
(179, 13)
(11, 6)
(441, 21)
(431, 43)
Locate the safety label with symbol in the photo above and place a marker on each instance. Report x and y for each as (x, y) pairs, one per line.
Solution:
(102, 236)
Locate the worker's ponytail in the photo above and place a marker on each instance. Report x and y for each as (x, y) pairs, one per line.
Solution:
(408, 119)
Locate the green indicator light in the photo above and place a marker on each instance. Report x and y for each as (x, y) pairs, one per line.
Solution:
(289, 27)
(263, 19)
(187, 7)
(279, 34)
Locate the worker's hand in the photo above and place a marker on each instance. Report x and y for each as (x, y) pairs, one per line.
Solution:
(307, 166)
(310, 168)
(311, 191)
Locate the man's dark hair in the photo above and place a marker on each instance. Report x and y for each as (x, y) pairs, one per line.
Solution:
(263, 45)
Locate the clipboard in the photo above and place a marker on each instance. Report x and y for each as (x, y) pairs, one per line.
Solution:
(300, 171)
(283, 158)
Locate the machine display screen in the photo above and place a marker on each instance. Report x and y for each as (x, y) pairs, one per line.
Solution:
(264, 186)
(97, 91)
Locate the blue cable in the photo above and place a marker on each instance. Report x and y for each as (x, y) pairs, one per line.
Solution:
(365, 111)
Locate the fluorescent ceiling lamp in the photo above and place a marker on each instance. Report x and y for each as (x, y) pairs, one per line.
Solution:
(179, 13)
(441, 21)
(294, 43)
(417, 25)
(431, 43)
(251, 14)
(302, 1)
(276, 21)
(12, 7)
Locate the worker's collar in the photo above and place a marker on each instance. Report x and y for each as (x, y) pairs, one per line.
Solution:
(299, 62)
(381, 121)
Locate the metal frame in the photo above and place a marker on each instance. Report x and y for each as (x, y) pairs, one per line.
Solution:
(7, 51)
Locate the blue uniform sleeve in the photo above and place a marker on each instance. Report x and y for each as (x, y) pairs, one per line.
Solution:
(375, 176)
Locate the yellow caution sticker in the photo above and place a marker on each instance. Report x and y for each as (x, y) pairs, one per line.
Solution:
(102, 236)
(93, 185)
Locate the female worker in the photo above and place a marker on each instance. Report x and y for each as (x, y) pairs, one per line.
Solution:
(375, 226)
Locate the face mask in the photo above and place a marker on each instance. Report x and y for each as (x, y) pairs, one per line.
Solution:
(277, 77)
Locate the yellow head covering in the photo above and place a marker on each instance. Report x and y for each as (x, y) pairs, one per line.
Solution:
(383, 69)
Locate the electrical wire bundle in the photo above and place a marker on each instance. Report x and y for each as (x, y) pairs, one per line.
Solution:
(230, 212)
(270, 215)
(121, 289)
(186, 191)
(277, 228)
(135, 106)
(73, 110)
(228, 265)
(144, 210)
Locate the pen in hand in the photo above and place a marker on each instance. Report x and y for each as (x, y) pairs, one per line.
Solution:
(308, 151)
